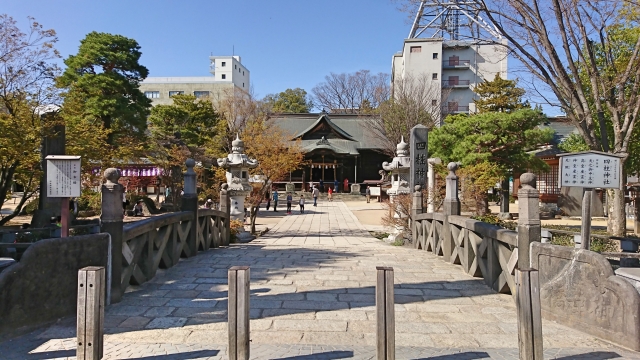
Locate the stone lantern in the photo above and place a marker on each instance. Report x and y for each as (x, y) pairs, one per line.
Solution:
(237, 165)
(400, 168)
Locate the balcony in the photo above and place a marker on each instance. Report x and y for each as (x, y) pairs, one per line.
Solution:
(455, 83)
(454, 109)
(456, 64)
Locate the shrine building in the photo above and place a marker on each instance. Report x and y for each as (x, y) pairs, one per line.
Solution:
(336, 146)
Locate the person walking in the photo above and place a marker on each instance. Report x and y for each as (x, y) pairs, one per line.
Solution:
(368, 193)
(289, 200)
(315, 196)
(275, 200)
(301, 202)
(330, 194)
(336, 183)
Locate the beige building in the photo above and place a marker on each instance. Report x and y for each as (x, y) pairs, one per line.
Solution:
(228, 75)
(455, 66)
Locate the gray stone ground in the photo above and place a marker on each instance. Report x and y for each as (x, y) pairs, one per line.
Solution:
(312, 297)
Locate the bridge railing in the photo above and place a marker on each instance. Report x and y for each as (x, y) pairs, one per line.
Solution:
(573, 283)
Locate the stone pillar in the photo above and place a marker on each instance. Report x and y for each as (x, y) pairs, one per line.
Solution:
(505, 213)
(52, 144)
(431, 183)
(111, 222)
(190, 203)
(416, 203)
(451, 200)
(528, 218)
(451, 207)
(225, 207)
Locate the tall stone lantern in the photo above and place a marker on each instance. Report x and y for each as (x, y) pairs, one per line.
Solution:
(237, 165)
(400, 168)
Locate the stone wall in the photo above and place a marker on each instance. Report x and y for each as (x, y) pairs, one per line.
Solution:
(579, 289)
(42, 287)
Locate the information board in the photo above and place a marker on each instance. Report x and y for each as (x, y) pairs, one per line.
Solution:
(63, 176)
(375, 191)
(590, 170)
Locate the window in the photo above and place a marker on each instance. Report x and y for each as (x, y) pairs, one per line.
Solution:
(435, 56)
(235, 66)
(152, 94)
(242, 84)
(243, 73)
(224, 76)
(224, 63)
(171, 93)
(201, 94)
(239, 70)
(454, 80)
(415, 49)
(244, 174)
(434, 102)
(454, 60)
(434, 76)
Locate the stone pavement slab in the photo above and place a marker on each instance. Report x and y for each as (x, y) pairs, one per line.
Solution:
(312, 297)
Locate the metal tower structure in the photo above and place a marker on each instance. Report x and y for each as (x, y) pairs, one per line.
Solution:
(459, 19)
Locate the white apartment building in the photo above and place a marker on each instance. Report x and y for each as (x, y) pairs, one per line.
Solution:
(455, 66)
(228, 74)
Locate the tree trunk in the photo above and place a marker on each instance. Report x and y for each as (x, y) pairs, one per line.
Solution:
(252, 216)
(482, 204)
(617, 220)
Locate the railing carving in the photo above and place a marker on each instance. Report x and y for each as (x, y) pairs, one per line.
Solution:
(483, 250)
(159, 242)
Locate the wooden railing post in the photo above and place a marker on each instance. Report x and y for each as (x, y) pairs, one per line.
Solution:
(451, 207)
(239, 289)
(529, 314)
(528, 218)
(190, 203)
(111, 222)
(90, 330)
(225, 207)
(385, 314)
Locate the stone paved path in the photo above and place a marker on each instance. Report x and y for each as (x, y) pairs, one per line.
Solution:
(312, 297)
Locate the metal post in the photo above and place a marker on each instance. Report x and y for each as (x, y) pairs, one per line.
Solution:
(528, 218)
(111, 222)
(239, 286)
(385, 314)
(91, 296)
(585, 232)
(190, 203)
(529, 314)
(225, 207)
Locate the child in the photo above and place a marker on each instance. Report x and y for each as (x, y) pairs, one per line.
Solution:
(301, 204)
(330, 194)
(289, 200)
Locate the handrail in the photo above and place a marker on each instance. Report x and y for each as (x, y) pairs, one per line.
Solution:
(31, 230)
(493, 231)
(131, 230)
(605, 237)
(210, 212)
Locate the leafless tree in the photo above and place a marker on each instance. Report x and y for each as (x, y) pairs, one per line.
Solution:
(415, 100)
(567, 45)
(351, 93)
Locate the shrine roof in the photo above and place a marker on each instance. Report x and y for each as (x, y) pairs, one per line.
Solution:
(352, 129)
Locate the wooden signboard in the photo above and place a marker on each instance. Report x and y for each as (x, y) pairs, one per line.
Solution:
(590, 169)
(63, 176)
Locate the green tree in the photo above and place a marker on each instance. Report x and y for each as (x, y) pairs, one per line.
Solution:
(491, 143)
(27, 90)
(499, 95)
(102, 81)
(573, 143)
(289, 101)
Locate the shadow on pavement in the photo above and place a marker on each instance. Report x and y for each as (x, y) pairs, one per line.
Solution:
(180, 356)
(470, 355)
(322, 356)
(595, 355)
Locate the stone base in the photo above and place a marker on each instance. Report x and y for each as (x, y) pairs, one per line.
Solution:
(244, 236)
(505, 216)
(355, 188)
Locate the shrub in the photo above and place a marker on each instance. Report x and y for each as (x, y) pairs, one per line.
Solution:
(90, 200)
(235, 226)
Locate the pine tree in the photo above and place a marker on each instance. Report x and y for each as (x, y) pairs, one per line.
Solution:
(500, 95)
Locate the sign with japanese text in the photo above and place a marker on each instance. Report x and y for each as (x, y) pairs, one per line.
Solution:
(419, 158)
(590, 170)
(63, 176)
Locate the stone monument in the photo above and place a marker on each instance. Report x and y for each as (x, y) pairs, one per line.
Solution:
(237, 165)
(419, 158)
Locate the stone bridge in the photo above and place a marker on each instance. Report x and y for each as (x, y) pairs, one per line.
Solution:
(312, 297)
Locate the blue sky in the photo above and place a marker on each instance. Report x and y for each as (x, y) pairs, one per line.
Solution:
(284, 43)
